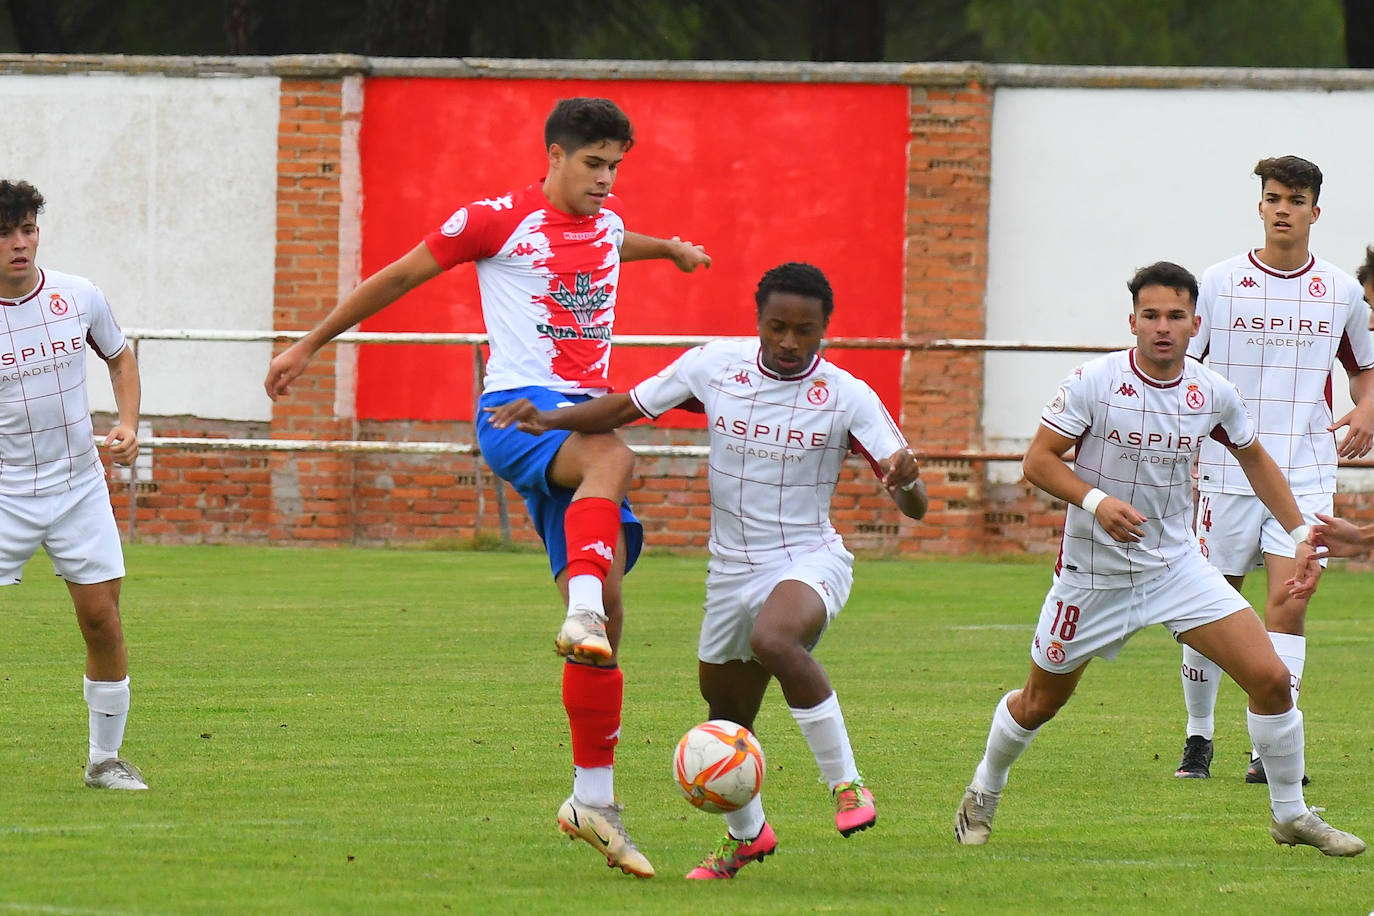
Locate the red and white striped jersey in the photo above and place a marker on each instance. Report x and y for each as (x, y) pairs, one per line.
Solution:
(46, 439)
(777, 445)
(1137, 440)
(1277, 336)
(548, 282)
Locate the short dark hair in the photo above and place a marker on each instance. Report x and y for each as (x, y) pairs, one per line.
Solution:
(800, 280)
(1166, 274)
(19, 200)
(1292, 171)
(1366, 271)
(575, 123)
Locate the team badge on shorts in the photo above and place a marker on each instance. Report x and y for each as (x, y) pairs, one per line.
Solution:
(1202, 546)
(1055, 653)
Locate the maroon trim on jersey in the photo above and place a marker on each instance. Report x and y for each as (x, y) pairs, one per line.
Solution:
(1055, 429)
(1282, 275)
(42, 278)
(758, 361)
(1153, 383)
(856, 448)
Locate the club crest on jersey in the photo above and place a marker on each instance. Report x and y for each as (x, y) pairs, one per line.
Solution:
(1316, 289)
(819, 393)
(57, 305)
(1194, 397)
(583, 301)
(455, 224)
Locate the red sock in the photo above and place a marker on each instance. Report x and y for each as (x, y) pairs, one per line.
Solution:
(591, 526)
(593, 696)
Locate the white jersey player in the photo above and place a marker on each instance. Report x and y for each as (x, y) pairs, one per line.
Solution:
(1129, 559)
(52, 484)
(781, 420)
(1275, 321)
(548, 268)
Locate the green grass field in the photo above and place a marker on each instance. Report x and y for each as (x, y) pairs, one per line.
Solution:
(380, 731)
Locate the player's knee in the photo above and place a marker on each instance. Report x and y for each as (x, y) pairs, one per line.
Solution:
(772, 648)
(1033, 708)
(1270, 693)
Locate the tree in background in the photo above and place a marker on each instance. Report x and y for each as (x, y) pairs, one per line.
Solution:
(1314, 33)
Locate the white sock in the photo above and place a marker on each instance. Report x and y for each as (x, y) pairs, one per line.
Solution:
(585, 592)
(823, 727)
(1292, 650)
(1201, 679)
(1007, 740)
(109, 708)
(747, 822)
(594, 786)
(1279, 740)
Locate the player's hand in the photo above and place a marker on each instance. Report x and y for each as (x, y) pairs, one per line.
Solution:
(1335, 537)
(122, 443)
(688, 257)
(1360, 436)
(285, 368)
(902, 472)
(1303, 585)
(1120, 520)
(521, 413)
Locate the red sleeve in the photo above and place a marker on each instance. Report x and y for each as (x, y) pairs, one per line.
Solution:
(470, 234)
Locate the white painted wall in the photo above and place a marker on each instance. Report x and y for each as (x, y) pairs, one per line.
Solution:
(1089, 184)
(163, 192)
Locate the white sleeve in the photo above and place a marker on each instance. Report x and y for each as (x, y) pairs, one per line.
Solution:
(104, 334)
(1206, 304)
(1070, 412)
(669, 387)
(1356, 350)
(872, 430)
(1235, 424)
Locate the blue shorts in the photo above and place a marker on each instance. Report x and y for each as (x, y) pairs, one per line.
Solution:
(523, 461)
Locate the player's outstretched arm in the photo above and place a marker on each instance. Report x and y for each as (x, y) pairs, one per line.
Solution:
(685, 255)
(904, 484)
(370, 297)
(122, 440)
(599, 415)
(1335, 537)
(1045, 467)
(1272, 489)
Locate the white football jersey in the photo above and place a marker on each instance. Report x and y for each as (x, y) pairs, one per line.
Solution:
(777, 445)
(46, 439)
(1137, 440)
(548, 282)
(1277, 336)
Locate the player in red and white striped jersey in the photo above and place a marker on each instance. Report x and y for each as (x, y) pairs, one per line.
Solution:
(781, 421)
(548, 269)
(52, 484)
(1275, 321)
(1129, 559)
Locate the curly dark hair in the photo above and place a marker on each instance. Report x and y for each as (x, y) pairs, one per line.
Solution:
(1366, 271)
(575, 123)
(799, 279)
(1292, 171)
(19, 201)
(1166, 274)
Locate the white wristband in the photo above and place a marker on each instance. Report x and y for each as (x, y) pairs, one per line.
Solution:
(1093, 500)
(908, 487)
(1301, 534)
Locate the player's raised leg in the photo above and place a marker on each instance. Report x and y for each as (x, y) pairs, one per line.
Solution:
(1015, 722)
(598, 468)
(1241, 646)
(105, 684)
(734, 690)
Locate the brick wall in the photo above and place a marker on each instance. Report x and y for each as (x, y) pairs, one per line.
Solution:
(375, 499)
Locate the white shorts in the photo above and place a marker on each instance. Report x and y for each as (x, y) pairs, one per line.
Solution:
(76, 527)
(1235, 531)
(734, 599)
(1077, 623)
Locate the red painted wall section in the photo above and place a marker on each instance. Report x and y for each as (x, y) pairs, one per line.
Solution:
(758, 173)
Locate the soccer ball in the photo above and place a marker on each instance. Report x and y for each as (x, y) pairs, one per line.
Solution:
(718, 766)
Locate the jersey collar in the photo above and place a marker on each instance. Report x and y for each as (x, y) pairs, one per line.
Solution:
(41, 279)
(769, 373)
(1281, 274)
